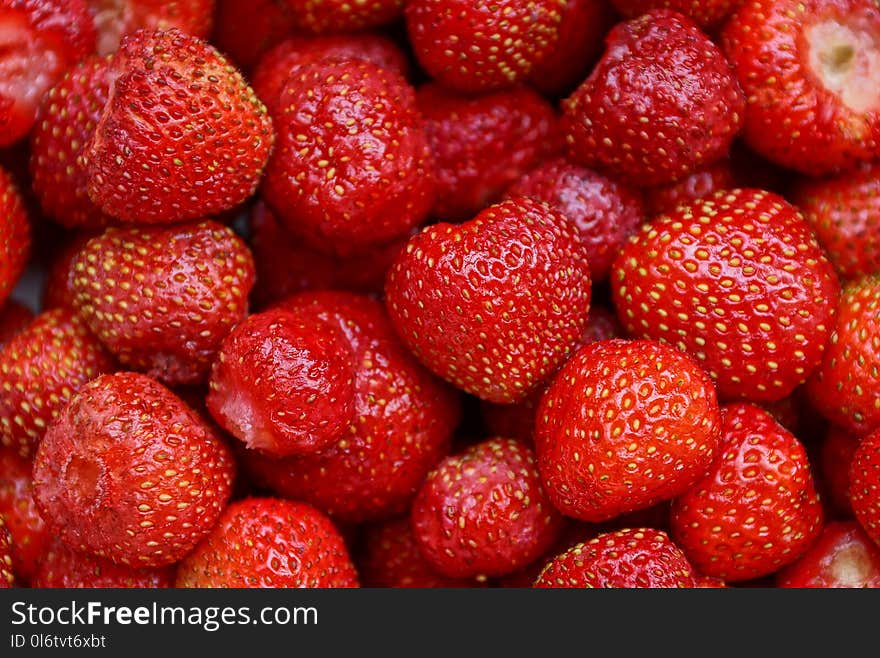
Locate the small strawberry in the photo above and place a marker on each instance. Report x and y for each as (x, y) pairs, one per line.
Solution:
(130, 473)
(62, 567)
(707, 14)
(30, 536)
(738, 281)
(15, 232)
(162, 299)
(808, 69)
(268, 22)
(629, 558)
(699, 184)
(40, 370)
(624, 425)
(835, 458)
(14, 317)
(116, 18)
(493, 305)
(7, 577)
(842, 557)
(757, 509)
(864, 484)
(323, 16)
(267, 542)
(660, 103)
(182, 135)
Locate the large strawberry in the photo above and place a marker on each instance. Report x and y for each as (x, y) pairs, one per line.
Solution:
(15, 235)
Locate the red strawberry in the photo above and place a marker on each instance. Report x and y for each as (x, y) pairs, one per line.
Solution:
(493, 305)
(58, 289)
(14, 317)
(482, 144)
(702, 183)
(7, 577)
(40, 370)
(15, 232)
(130, 473)
(843, 556)
(283, 383)
(845, 387)
(605, 212)
(116, 18)
(351, 168)
(478, 45)
(624, 425)
(322, 16)
(630, 558)
(182, 136)
(404, 422)
(267, 542)
(757, 509)
(573, 533)
(835, 457)
(661, 103)
(41, 39)
(864, 484)
(162, 299)
(844, 210)
(738, 281)
(483, 512)
(62, 567)
(706, 13)
(808, 68)
(268, 22)
(30, 536)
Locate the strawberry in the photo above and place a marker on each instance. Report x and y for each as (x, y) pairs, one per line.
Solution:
(351, 168)
(661, 102)
(845, 387)
(757, 509)
(478, 45)
(323, 16)
(62, 567)
(573, 533)
(404, 420)
(7, 577)
(268, 22)
(283, 383)
(808, 70)
(267, 542)
(58, 289)
(738, 281)
(835, 457)
(699, 184)
(40, 370)
(14, 317)
(116, 18)
(130, 473)
(182, 135)
(842, 556)
(41, 39)
(605, 212)
(864, 484)
(843, 211)
(483, 512)
(493, 305)
(162, 299)
(707, 14)
(15, 233)
(483, 144)
(624, 425)
(629, 558)
(30, 536)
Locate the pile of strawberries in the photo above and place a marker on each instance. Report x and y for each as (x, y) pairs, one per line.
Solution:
(440, 293)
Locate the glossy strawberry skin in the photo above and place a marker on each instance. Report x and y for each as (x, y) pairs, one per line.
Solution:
(738, 281)
(40, 370)
(842, 556)
(510, 290)
(864, 485)
(162, 299)
(120, 18)
(63, 568)
(483, 512)
(624, 425)
(351, 168)
(267, 542)
(14, 317)
(182, 136)
(130, 473)
(30, 535)
(15, 235)
(629, 558)
(7, 577)
(660, 103)
(757, 509)
(699, 184)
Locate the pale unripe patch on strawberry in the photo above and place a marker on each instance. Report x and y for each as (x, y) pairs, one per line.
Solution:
(846, 58)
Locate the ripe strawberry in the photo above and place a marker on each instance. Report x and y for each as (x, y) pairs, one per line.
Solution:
(15, 232)
(843, 210)
(116, 18)
(835, 457)
(738, 281)
(493, 305)
(477, 45)
(14, 317)
(30, 536)
(808, 70)
(845, 387)
(267, 542)
(7, 577)
(162, 299)
(483, 512)
(351, 168)
(842, 556)
(624, 425)
(630, 558)
(268, 22)
(706, 13)
(182, 135)
(661, 103)
(40, 370)
(62, 567)
(605, 212)
(482, 144)
(699, 184)
(58, 288)
(404, 422)
(41, 39)
(323, 16)
(130, 473)
(283, 383)
(757, 509)
(864, 484)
